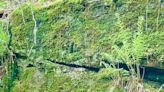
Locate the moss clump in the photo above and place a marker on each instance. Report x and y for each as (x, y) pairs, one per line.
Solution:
(31, 79)
(69, 79)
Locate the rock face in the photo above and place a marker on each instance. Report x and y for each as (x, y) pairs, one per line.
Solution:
(67, 30)
(83, 32)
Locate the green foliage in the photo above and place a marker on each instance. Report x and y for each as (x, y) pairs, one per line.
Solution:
(3, 41)
(139, 41)
(83, 30)
(130, 46)
(52, 81)
(68, 28)
(2, 4)
(10, 71)
(54, 78)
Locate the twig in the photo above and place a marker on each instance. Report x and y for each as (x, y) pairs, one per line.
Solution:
(35, 26)
(161, 88)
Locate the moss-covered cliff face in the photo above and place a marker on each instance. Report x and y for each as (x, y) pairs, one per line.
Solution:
(86, 30)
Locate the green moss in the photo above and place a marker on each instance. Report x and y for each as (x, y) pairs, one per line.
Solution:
(31, 79)
(78, 30)
(26, 81)
(3, 39)
(78, 27)
(2, 4)
(52, 82)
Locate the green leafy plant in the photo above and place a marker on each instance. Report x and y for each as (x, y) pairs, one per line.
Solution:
(3, 41)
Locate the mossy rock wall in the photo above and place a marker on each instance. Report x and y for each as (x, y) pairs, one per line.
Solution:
(70, 31)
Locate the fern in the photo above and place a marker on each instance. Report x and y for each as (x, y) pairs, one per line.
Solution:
(138, 40)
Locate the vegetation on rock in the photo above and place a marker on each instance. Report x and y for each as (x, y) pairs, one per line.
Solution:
(84, 32)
